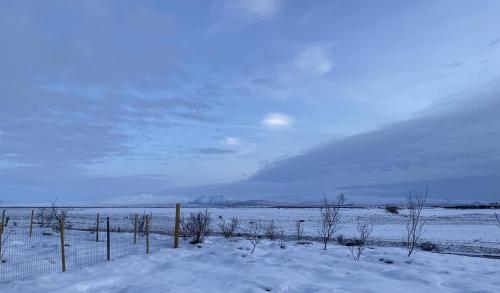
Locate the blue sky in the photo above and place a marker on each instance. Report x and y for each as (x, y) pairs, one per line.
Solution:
(102, 99)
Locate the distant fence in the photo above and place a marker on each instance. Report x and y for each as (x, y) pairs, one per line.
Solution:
(33, 244)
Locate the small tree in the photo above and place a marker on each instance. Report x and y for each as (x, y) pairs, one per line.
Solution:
(56, 215)
(142, 225)
(41, 217)
(229, 229)
(330, 219)
(254, 233)
(414, 221)
(198, 226)
(359, 244)
(497, 217)
(271, 231)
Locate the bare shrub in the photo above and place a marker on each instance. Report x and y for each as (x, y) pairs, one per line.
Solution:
(414, 221)
(497, 217)
(143, 223)
(392, 209)
(299, 230)
(429, 246)
(361, 241)
(228, 229)
(198, 226)
(184, 229)
(271, 231)
(42, 217)
(254, 233)
(55, 216)
(330, 219)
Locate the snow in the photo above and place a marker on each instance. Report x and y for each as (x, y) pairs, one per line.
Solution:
(222, 265)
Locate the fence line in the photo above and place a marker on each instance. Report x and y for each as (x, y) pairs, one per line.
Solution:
(33, 245)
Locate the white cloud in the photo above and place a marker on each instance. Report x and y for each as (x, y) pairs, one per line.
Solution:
(277, 120)
(314, 60)
(232, 141)
(261, 8)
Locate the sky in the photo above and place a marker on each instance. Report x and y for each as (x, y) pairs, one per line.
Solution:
(250, 99)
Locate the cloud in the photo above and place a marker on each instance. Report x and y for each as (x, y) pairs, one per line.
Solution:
(230, 141)
(259, 8)
(276, 120)
(453, 140)
(494, 42)
(86, 88)
(314, 60)
(213, 151)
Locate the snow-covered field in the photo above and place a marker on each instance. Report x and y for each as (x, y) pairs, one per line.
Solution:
(222, 265)
(448, 227)
(226, 266)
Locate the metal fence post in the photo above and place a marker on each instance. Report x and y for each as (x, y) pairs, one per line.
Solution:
(177, 224)
(31, 222)
(2, 226)
(97, 229)
(135, 229)
(63, 256)
(108, 241)
(147, 234)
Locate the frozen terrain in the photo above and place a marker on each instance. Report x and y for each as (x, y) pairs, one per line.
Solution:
(222, 265)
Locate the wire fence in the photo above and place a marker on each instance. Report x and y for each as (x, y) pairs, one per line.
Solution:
(29, 247)
(34, 243)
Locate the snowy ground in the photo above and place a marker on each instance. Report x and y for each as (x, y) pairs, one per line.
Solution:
(470, 232)
(221, 265)
(475, 227)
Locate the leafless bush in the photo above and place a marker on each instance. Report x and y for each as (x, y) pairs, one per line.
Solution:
(53, 217)
(282, 239)
(42, 217)
(392, 209)
(497, 217)
(228, 229)
(299, 230)
(198, 226)
(414, 221)
(330, 219)
(143, 223)
(271, 231)
(184, 231)
(254, 233)
(359, 244)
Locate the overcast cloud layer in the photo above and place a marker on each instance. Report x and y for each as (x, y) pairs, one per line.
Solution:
(105, 99)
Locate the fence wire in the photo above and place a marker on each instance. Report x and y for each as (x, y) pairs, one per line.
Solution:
(28, 250)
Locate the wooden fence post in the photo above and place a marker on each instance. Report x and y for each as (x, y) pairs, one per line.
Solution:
(147, 234)
(135, 229)
(2, 226)
(1, 233)
(97, 229)
(31, 222)
(63, 256)
(177, 224)
(108, 241)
